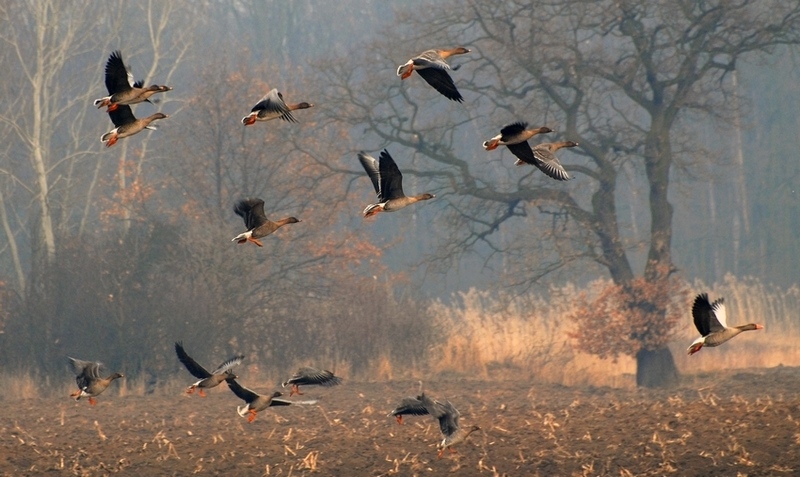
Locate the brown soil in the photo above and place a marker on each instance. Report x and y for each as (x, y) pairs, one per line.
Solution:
(743, 423)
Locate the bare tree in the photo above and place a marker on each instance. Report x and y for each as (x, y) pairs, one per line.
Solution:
(161, 57)
(54, 163)
(56, 179)
(286, 293)
(160, 204)
(44, 53)
(623, 79)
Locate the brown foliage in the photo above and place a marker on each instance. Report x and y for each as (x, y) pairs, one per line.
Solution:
(127, 198)
(626, 318)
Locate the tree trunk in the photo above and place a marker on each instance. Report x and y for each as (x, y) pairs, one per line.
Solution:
(13, 249)
(656, 369)
(39, 160)
(658, 160)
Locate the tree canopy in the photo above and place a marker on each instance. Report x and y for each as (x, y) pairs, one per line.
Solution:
(626, 80)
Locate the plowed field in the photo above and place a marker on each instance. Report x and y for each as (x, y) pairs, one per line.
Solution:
(740, 423)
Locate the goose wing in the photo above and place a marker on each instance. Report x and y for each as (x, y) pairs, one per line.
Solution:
(391, 178)
(441, 82)
(718, 310)
(122, 115)
(703, 312)
(118, 78)
(193, 366)
(546, 161)
(310, 376)
(86, 372)
(522, 150)
(410, 405)
(280, 402)
(273, 103)
(448, 422)
(446, 414)
(242, 392)
(252, 211)
(229, 364)
(370, 164)
(513, 129)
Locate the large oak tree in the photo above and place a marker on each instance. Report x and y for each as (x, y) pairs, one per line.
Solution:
(624, 79)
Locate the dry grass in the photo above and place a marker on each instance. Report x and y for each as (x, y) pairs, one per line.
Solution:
(131, 386)
(504, 336)
(498, 336)
(486, 331)
(21, 385)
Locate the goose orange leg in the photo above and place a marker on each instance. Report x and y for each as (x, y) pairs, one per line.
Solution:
(441, 452)
(252, 416)
(92, 401)
(255, 241)
(295, 390)
(399, 419)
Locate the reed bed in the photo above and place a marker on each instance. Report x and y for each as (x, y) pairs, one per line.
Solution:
(503, 336)
(486, 335)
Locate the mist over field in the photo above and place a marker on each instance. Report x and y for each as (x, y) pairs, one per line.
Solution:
(523, 299)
